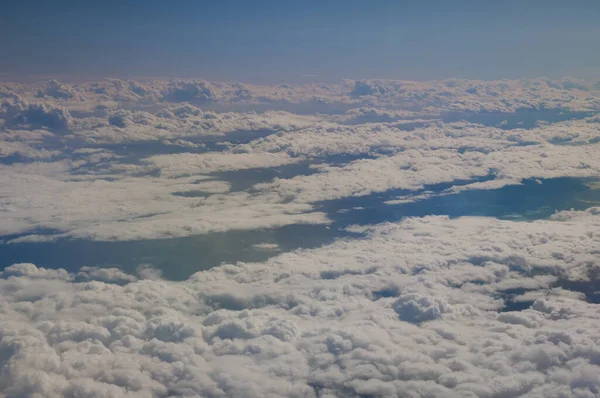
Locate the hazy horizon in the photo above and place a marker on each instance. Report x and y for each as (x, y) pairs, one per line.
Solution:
(272, 42)
(82, 79)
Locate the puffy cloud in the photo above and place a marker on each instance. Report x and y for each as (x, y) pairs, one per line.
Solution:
(431, 97)
(181, 122)
(375, 115)
(134, 207)
(362, 87)
(139, 88)
(18, 112)
(187, 110)
(139, 197)
(242, 92)
(191, 91)
(25, 150)
(57, 90)
(431, 306)
(44, 116)
(206, 163)
(414, 168)
(119, 118)
(566, 215)
(568, 83)
(122, 118)
(422, 317)
(414, 307)
(33, 272)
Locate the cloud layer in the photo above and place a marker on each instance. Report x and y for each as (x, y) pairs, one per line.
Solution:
(415, 309)
(423, 307)
(124, 172)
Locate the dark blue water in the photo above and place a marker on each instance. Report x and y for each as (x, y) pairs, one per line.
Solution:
(589, 288)
(244, 179)
(11, 159)
(523, 119)
(569, 141)
(529, 201)
(241, 180)
(134, 151)
(210, 143)
(180, 257)
(177, 258)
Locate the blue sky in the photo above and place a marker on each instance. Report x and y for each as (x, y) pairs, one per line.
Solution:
(272, 41)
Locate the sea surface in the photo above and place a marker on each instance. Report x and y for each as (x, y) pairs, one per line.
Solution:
(178, 258)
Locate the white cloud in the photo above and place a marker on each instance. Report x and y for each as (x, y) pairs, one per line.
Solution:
(206, 163)
(20, 113)
(405, 311)
(57, 90)
(140, 198)
(124, 126)
(126, 207)
(188, 91)
(416, 308)
(8, 148)
(412, 169)
(430, 96)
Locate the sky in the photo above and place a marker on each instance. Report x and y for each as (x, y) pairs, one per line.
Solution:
(272, 41)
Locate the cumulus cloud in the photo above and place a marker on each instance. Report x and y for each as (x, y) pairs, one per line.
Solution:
(57, 90)
(415, 308)
(191, 91)
(133, 207)
(205, 163)
(414, 168)
(138, 195)
(20, 113)
(123, 125)
(119, 118)
(430, 306)
(25, 151)
(424, 97)
(187, 110)
(122, 118)
(362, 87)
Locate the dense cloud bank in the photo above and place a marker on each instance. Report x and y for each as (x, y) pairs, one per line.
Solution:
(415, 309)
(451, 94)
(424, 307)
(17, 112)
(109, 194)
